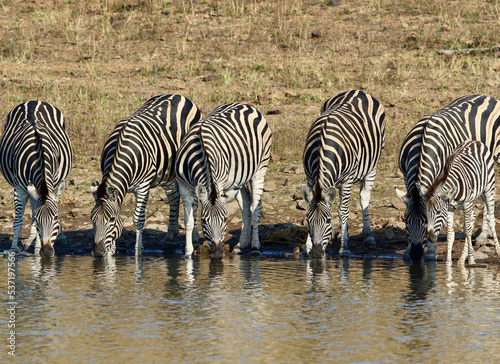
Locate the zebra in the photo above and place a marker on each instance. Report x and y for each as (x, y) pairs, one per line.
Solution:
(423, 154)
(219, 156)
(343, 146)
(468, 173)
(139, 155)
(36, 158)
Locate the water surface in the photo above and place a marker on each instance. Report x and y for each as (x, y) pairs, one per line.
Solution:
(246, 309)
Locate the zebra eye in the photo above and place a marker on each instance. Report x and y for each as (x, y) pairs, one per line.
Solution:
(329, 220)
(112, 220)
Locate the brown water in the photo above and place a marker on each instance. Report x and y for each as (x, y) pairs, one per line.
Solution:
(167, 309)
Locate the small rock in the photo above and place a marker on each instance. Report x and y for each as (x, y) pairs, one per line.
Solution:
(480, 255)
(75, 213)
(297, 169)
(301, 205)
(286, 182)
(273, 112)
(389, 234)
(496, 66)
(269, 186)
(316, 34)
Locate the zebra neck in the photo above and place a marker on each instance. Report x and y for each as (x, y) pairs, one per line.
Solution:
(216, 167)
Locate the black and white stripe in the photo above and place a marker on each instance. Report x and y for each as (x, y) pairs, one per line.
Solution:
(343, 146)
(219, 156)
(36, 158)
(468, 174)
(139, 155)
(424, 152)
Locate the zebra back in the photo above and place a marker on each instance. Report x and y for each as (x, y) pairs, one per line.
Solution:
(225, 149)
(143, 147)
(474, 117)
(345, 141)
(35, 147)
(430, 142)
(469, 171)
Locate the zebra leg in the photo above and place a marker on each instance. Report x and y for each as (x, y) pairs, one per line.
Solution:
(345, 195)
(173, 196)
(257, 186)
(450, 236)
(20, 200)
(244, 202)
(469, 219)
(365, 193)
(61, 238)
(141, 200)
(482, 238)
(490, 217)
(190, 207)
(34, 237)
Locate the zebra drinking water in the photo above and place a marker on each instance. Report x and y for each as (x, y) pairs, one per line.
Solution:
(220, 155)
(139, 155)
(468, 174)
(343, 146)
(424, 152)
(36, 158)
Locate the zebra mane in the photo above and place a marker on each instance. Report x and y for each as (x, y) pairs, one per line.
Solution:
(213, 188)
(318, 188)
(40, 131)
(437, 184)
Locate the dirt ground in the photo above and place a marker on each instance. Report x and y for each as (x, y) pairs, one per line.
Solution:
(99, 61)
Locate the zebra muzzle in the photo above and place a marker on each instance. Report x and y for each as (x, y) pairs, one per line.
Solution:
(99, 249)
(217, 251)
(317, 251)
(47, 250)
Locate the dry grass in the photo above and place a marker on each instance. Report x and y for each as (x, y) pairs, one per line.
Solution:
(98, 61)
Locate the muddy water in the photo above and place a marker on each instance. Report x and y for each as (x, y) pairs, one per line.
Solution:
(245, 309)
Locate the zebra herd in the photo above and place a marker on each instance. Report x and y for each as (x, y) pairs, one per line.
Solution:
(446, 159)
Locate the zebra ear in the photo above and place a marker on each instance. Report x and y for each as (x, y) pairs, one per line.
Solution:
(329, 195)
(32, 191)
(201, 193)
(307, 194)
(112, 194)
(93, 189)
(402, 195)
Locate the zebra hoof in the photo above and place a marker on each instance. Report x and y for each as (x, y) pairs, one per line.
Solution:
(370, 241)
(431, 257)
(255, 252)
(345, 253)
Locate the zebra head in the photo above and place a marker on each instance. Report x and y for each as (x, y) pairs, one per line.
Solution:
(213, 220)
(437, 212)
(415, 218)
(319, 219)
(106, 219)
(46, 216)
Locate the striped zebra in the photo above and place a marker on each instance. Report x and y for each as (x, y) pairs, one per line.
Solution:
(424, 152)
(468, 174)
(139, 155)
(343, 146)
(36, 158)
(227, 150)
